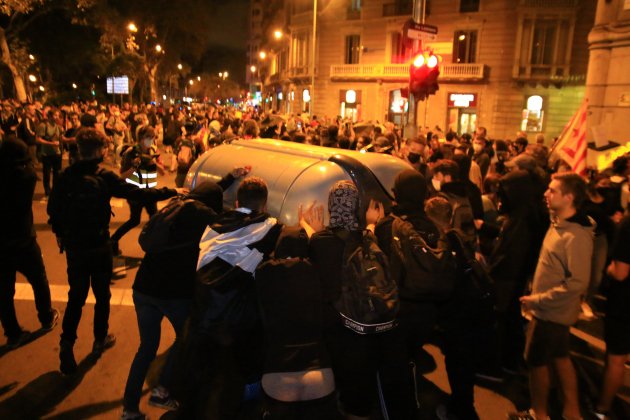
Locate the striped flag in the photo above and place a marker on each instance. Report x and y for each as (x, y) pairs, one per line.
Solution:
(571, 145)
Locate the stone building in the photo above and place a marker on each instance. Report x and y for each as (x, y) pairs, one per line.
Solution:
(507, 65)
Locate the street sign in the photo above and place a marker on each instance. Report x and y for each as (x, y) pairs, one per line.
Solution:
(419, 31)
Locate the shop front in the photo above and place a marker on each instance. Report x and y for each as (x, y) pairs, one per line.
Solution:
(350, 104)
(462, 112)
(397, 108)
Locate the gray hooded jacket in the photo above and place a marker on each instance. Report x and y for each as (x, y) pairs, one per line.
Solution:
(564, 270)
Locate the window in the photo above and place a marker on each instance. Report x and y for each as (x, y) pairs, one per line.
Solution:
(545, 49)
(401, 52)
(355, 5)
(533, 114)
(353, 46)
(466, 6)
(465, 47)
(300, 50)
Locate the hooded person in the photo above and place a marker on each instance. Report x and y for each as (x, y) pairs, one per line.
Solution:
(417, 319)
(18, 243)
(164, 287)
(297, 379)
(513, 260)
(223, 346)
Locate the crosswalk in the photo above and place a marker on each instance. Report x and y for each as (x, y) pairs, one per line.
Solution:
(59, 293)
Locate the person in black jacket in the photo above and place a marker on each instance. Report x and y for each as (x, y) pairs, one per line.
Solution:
(357, 359)
(19, 250)
(79, 213)
(164, 287)
(222, 350)
(513, 259)
(417, 319)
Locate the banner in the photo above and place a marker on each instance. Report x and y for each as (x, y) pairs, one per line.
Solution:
(571, 145)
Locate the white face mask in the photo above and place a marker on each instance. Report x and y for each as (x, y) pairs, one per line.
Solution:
(437, 184)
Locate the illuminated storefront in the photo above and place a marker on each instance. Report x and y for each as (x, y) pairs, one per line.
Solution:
(462, 112)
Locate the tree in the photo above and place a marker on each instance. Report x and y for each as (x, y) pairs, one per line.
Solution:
(15, 17)
(172, 25)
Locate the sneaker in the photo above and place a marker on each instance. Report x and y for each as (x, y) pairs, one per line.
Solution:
(133, 415)
(100, 346)
(15, 342)
(523, 415)
(68, 365)
(50, 325)
(160, 398)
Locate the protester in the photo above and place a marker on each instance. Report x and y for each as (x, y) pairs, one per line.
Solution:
(80, 212)
(19, 250)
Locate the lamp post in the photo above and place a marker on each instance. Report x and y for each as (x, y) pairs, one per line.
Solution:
(314, 44)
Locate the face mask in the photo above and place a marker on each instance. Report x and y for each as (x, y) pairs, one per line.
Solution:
(413, 157)
(477, 148)
(436, 184)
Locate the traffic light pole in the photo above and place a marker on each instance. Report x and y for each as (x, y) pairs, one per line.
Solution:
(411, 128)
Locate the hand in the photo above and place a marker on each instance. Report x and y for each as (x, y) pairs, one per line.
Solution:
(526, 302)
(313, 216)
(374, 213)
(182, 191)
(242, 171)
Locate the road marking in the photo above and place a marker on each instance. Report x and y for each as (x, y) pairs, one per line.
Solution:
(59, 293)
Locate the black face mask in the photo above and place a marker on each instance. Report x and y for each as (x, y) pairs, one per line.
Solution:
(413, 157)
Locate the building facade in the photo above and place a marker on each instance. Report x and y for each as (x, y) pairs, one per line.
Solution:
(507, 65)
(608, 82)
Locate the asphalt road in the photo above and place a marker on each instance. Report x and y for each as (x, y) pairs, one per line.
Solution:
(31, 386)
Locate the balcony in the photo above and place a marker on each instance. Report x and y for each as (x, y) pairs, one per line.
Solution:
(400, 72)
(545, 4)
(398, 9)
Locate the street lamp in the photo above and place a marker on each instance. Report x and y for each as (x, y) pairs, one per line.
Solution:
(277, 34)
(132, 27)
(41, 88)
(179, 66)
(158, 48)
(190, 82)
(32, 78)
(221, 75)
(252, 69)
(74, 86)
(31, 57)
(262, 55)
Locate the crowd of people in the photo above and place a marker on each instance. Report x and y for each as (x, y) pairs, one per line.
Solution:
(516, 249)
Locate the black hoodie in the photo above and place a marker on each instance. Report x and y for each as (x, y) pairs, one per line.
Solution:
(17, 184)
(513, 259)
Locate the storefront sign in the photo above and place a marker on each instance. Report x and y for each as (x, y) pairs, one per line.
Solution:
(462, 100)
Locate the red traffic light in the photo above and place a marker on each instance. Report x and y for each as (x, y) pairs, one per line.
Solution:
(423, 74)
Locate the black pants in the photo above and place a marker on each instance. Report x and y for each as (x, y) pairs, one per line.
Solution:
(52, 164)
(359, 359)
(88, 267)
(461, 349)
(135, 212)
(28, 261)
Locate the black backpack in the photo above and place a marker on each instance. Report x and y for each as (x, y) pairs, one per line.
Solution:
(158, 234)
(479, 286)
(423, 273)
(463, 218)
(369, 296)
(85, 211)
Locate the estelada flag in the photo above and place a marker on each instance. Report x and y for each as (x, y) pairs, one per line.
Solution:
(571, 145)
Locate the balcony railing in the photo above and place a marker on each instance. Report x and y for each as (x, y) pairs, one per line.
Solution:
(397, 9)
(557, 4)
(400, 72)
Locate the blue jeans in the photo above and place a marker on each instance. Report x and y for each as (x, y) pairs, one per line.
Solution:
(150, 311)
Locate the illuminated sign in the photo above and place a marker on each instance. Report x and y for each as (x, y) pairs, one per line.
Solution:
(462, 100)
(118, 85)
